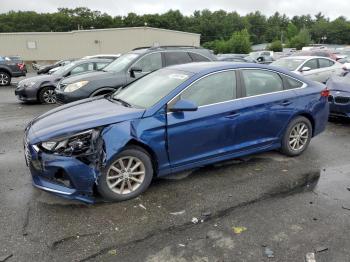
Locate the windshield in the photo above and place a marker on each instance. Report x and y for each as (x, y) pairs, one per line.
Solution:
(63, 69)
(148, 90)
(121, 63)
(290, 64)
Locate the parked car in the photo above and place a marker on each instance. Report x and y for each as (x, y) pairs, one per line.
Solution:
(242, 58)
(318, 52)
(107, 56)
(174, 119)
(126, 69)
(45, 69)
(19, 61)
(9, 69)
(315, 68)
(41, 88)
(339, 98)
(262, 57)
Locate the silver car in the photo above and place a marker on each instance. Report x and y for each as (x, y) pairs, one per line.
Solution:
(315, 68)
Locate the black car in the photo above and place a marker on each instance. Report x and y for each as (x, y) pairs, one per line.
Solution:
(41, 88)
(47, 68)
(9, 69)
(126, 69)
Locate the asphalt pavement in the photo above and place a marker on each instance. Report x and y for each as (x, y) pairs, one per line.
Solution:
(265, 207)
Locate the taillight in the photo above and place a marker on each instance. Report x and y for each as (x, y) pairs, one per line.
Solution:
(325, 93)
(20, 65)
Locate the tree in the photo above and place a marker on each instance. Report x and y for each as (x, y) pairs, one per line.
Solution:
(292, 31)
(240, 42)
(300, 40)
(276, 46)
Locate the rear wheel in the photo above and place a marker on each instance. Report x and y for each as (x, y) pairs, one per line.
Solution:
(129, 174)
(47, 95)
(5, 79)
(297, 136)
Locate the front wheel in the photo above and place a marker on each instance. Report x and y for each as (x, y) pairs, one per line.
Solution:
(47, 95)
(297, 136)
(129, 174)
(5, 79)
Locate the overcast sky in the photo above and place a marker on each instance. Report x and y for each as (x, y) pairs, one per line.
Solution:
(330, 8)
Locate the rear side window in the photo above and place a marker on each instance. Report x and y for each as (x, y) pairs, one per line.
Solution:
(175, 58)
(292, 83)
(258, 82)
(82, 68)
(100, 65)
(212, 89)
(325, 63)
(311, 63)
(198, 58)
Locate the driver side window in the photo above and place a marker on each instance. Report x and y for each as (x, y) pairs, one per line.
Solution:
(312, 64)
(149, 62)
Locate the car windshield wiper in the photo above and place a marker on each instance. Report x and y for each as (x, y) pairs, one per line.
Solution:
(124, 103)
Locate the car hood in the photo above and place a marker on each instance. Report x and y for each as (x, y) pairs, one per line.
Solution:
(91, 76)
(40, 78)
(79, 116)
(339, 83)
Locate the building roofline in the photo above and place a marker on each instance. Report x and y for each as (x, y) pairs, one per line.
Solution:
(97, 30)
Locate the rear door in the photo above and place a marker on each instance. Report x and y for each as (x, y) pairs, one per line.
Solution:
(211, 130)
(176, 58)
(268, 106)
(147, 63)
(327, 68)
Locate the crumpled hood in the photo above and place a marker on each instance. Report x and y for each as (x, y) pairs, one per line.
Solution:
(79, 116)
(339, 83)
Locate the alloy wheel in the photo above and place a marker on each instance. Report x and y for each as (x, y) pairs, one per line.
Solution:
(125, 175)
(49, 96)
(298, 136)
(4, 79)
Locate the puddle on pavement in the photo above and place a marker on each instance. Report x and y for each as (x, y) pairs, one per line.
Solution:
(334, 183)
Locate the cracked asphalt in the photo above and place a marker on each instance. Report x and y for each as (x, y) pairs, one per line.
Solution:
(284, 207)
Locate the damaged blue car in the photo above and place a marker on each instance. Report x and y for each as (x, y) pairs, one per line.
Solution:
(174, 119)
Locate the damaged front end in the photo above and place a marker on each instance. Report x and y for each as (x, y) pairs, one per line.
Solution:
(68, 166)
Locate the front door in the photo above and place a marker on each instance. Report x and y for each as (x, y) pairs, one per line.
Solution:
(210, 131)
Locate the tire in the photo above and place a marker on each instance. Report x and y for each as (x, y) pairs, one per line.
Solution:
(47, 95)
(113, 177)
(296, 132)
(5, 79)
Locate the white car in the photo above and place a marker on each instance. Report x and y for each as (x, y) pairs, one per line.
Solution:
(315, 68)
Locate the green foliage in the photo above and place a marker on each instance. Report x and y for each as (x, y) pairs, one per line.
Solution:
(238, 43)
(216, 28)
(300, 40)
(276, 46)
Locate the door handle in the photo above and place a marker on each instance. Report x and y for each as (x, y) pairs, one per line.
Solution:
(232, 115)
(286, 103)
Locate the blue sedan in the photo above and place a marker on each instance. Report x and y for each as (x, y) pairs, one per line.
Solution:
(174, 119)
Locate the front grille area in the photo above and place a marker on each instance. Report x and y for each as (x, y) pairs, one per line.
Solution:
(342, 100)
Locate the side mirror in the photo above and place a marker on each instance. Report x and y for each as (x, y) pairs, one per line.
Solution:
(183, 106)
(135, 69)
(260, 59)
(305, 69)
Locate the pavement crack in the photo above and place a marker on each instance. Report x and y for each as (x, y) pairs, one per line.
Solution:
(26, 221)
(56, 243)
(310, 179)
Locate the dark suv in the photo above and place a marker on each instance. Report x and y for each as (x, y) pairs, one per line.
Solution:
(126, 69)
(9, 69)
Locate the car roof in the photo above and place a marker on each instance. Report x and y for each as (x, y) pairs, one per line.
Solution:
(83, 61)
(205, 67)
(304, 57)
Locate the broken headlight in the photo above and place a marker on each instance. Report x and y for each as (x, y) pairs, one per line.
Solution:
(77, 144)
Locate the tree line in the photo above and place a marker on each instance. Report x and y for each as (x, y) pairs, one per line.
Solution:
(220, 30)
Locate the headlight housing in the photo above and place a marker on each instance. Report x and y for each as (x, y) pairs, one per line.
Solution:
(26, 84)
(75, 86)
(82, 143)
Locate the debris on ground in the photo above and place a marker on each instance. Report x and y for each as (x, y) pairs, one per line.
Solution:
(348, 188)
(310, 257)
(238, 230)
(269, 252)
(142, 206)
(182, 245)
(112, 252)
(194, 220)
(178, 213)
(205, 216)
(5, 257)
(320, 249)
(346, 207)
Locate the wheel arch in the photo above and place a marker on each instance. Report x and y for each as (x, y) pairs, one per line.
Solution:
(41, 88)
(6, 70)
(309, 117)
(149, 151)
(101, 90)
